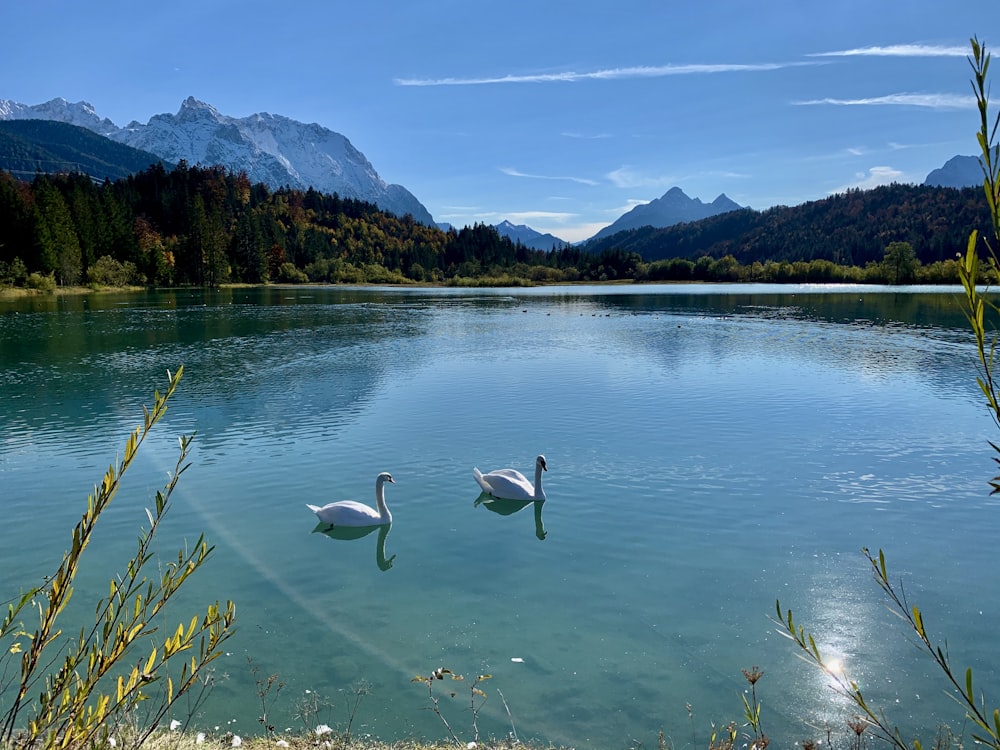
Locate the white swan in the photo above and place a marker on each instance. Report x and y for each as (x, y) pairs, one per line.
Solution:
(510, 484)
(352, 513)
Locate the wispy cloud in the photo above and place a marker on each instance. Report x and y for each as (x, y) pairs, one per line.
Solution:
(606, 74)
(874, 177)
(626, 177)
(462, 210)
(516, 173)
(931, 101)
(559, 217)
(595, 136)
(899, 50)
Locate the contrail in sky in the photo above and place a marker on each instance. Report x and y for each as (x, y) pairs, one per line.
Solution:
(608, 74)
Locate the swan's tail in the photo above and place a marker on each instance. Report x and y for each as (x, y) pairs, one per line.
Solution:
(313, 508)
(478, 475)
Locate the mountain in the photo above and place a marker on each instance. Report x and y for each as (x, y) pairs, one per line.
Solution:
(957, 172)
(528, 236)
(673, 207)
(31, 146)
(275, 150)
(60, 110)
(851, 228)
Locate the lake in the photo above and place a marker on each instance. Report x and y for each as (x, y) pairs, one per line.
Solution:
(710, 449)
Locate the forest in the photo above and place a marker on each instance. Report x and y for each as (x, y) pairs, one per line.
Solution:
(204, 226)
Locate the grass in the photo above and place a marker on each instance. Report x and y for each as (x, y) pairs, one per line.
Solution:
(186, 741)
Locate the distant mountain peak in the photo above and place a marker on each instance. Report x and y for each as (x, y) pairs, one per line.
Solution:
(528, 237)
(195, 108)
(60, 110)
(673, 207)
(957, 172)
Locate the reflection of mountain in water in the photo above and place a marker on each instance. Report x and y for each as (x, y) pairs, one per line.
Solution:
(505, 507)
(351, 533)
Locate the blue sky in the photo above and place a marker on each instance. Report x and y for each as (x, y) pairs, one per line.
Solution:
(559, 115)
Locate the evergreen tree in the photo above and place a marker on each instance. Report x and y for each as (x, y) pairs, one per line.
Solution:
(16, 219)
(57, 248)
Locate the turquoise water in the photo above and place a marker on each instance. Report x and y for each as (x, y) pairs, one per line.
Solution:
(710, 450)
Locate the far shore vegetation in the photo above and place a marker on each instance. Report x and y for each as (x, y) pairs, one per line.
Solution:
(206, 227)
(140, 675)
(898, 266)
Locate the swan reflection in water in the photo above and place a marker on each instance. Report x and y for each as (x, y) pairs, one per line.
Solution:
(348, 533)
(505, 507)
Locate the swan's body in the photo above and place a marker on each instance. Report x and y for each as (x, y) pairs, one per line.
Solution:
(510, 484)
(352, 513)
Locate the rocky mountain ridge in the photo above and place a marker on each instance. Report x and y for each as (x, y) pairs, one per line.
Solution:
(271, 149)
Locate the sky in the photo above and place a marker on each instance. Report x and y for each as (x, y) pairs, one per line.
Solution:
(559, 115)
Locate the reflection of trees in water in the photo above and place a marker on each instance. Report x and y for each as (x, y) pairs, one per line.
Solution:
(877, 305)
(278, 359)
(256, 356)
(875, 330)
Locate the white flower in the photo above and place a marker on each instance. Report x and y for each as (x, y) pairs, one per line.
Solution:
(113, 742)
(199, 738)
(237, 740)
(323, 729)
(174, 725)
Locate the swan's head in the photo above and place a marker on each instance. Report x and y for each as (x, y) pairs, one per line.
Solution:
(384, 477)
(540, 461)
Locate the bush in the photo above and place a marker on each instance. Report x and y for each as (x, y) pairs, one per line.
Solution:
(75, 694)
(41, 283)
(107, 271)
(289, 274)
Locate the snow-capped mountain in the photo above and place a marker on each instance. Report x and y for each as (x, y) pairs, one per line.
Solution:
(529, 237)
(81, 114)
(673, 207)
(272, 149)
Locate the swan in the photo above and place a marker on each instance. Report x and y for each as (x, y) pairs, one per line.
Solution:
(352, 513)
(510, 484)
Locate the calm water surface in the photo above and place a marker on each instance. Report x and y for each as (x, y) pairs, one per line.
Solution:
(710, 450)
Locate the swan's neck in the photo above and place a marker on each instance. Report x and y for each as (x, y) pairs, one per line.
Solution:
(539, 526)
(383, 510)
(383, 532)
(538, 481)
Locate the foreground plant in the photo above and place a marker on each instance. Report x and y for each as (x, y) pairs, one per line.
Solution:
(475, 692)
(986, 721)
(987, 732)
(977, 301)
(75, 693)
